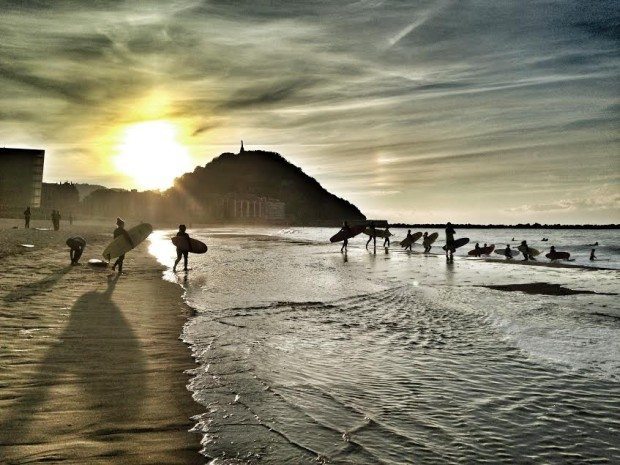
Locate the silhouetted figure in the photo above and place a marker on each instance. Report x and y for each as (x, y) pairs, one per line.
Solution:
(427, 247)
(70, 219)
(76, 244)
(386, 241)
(182, 253)
(409, 236)
(508, 251)
(120, 231)
(27, 215)
(373, 235)
(450, 232)
(241, 150)
(56, 220)
(347, 229)
(526, 251)
(477, 251)
(592, 256)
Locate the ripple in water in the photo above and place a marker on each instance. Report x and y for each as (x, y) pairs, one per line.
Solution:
(390, 377)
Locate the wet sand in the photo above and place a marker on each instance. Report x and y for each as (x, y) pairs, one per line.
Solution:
(91, 367)
(542, 289)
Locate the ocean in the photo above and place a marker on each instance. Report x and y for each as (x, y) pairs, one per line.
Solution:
(307, 355)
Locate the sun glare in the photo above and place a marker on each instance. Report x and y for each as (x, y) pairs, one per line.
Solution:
(151, 154)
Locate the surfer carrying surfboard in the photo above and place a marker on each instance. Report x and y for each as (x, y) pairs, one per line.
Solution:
(450, 232)
(182, 253)
(386, 242)
(345, 243)
(525, 249)
(373, 235)
(120, 231)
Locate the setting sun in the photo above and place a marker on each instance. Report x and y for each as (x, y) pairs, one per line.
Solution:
(152, 155)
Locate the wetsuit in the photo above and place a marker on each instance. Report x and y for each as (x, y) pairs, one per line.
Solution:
(182, 253)
(120, 231)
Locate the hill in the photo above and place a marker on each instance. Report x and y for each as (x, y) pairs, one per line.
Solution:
(259, 173)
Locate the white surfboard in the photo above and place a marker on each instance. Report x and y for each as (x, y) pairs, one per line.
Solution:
(121, 245)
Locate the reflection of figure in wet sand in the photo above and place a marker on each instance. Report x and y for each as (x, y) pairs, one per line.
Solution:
(90, 380)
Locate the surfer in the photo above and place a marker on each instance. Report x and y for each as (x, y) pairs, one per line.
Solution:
(477, 251)
(386, 241)
(427, 248)
(373, 235)
(526, 252)
(592, 256)
(120, 231)
(450, 232)
(347, 229)
(182, 253)
(76, 248)
(508, 251)
(27, 217)
(410, 238)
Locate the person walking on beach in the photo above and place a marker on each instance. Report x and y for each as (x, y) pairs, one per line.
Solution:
(409, 237)
(477, 251)
(450, 232)
(347, 229)
(526, 251)
(427, 247)
(592, 256)
(180, 252)
(386, 241)
(27, 217)
(373, 235)
(76, 245)
(120, 231)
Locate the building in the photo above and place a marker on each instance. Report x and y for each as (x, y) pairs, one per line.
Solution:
(253, 208)
(60, 196)
(21, 175)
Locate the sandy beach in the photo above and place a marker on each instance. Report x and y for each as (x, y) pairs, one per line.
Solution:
(91, 367)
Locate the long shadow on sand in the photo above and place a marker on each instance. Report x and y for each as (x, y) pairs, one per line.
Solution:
(28, 290)
(101, 368)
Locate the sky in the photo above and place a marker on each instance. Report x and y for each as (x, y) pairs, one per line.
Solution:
(415, 111)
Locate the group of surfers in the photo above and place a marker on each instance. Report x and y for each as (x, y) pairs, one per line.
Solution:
(77, 244)
(450, 243)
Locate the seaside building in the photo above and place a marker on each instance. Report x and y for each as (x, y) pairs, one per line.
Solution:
(253, 208)
(60, 196)
(21, 177)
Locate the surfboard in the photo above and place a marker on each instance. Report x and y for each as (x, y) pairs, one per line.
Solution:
(378, 232)
(76, 241)
(483, 250)
(121, 245)
(458, 243)
(558, 255)
(430, 239)
(342, 234)
(514, 252)
(533, 252)
(194, 246)
(97, 263)
(27, 246)
(407, 241)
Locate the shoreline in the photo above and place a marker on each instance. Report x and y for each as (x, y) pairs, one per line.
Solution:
(93, 368)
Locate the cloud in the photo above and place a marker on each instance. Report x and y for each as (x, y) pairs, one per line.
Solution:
(476, 105)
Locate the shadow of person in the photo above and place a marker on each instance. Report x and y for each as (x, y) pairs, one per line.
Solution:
(28, 290)
(91, 381)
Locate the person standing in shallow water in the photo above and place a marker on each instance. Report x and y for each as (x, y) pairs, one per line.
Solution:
(120, 231)
(27, 218)
(182, 253)
(386, 241)
(373, 235)
(450, 232)
(347, 229)
(592, 256)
